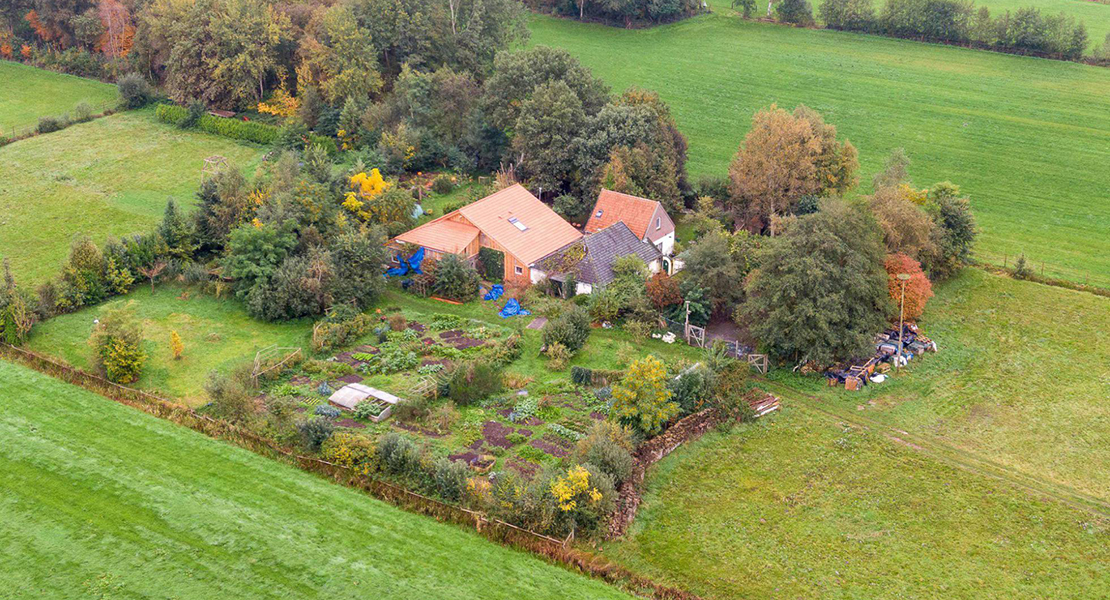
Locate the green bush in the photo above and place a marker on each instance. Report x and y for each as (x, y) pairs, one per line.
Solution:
(473, 381)
(450, 479)
(134, 91)
(443, 184)
(315, 432)
(398, 455)
(571, 329)
(116, 342)
(51, 124)
(366, 409)
(249, 131)
(581, 375)
(796, 12)
(455, 279)
(82, 113)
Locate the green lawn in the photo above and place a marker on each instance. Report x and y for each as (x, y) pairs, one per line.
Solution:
(111, 176)
(1021, 379)
(102, 501)
(218, 334)
(801, 506)
(1028, 139)
(27, 93)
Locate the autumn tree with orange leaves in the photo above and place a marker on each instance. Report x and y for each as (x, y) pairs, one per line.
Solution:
(918, 288)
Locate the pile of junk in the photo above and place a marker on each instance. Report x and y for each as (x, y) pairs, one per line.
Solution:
(874, 369)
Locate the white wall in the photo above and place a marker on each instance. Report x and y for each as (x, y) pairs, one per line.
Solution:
(665, 244)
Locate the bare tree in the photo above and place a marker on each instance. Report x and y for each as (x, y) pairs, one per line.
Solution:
(153, 271)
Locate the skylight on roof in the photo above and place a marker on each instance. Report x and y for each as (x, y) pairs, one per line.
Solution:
(516, 223)
(598, 215)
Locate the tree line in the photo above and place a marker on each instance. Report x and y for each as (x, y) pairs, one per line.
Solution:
(1026, 30)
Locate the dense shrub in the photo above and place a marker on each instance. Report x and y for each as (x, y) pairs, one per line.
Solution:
(607, 446)
(571, 329)
(848, 15)
(795, 12)
(641, 400)
(315, 432)
(134, 91)
(473, 381)
(249, 131)
(51, 124)
(450, 479)
(82, 113)
(398, 454)
(443, 184)
(116, 343)
(455, 279)
(691, 388)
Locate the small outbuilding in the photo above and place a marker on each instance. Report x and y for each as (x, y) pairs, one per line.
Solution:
(645, 218)
(590, 260)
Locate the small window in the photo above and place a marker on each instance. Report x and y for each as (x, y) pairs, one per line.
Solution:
(519, 270)
(516, 223)
(598, 215)
(658, 222)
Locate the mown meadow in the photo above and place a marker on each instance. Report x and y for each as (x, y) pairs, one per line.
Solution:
(801, 505)
(27, 93)
(111, 176)
(1020, 380)
(1028, 139)
(104, 501)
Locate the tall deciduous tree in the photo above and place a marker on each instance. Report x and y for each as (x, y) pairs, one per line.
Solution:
(820, 293)
(338, 56)
(516, 75)
(548, 124)
(787, 156)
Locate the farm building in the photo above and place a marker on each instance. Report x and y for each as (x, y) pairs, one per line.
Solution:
(645, 218)
(590, 259)
(511, 221)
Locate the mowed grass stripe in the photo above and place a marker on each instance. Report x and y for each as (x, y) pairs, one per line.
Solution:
(108, 177)
(800, 505)
(27, 93)
(99, 499)
(1028, 139)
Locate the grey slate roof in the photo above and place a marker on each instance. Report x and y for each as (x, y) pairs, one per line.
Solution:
(602, 249)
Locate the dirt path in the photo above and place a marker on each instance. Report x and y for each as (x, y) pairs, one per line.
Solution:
(946, 453)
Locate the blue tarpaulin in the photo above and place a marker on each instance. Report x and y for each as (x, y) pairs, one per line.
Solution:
(494, 292)
(408, 265)
(512, 309)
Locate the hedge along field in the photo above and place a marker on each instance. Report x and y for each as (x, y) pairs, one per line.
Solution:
(799, 505)
(104, 501)
(111, 176)
(1020, 380)
(1028, 139)
(1092, 13)
(27, 93)
(218, 334)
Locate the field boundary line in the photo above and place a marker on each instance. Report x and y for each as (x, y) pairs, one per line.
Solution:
(549, 549)
(953, 456)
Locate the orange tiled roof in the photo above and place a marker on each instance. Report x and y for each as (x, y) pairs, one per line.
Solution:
(441, 234)
(502, 214)
(614, 206)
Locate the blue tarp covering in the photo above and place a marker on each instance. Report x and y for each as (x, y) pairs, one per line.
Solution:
(409, 265)
(512, 309)
(494, 292)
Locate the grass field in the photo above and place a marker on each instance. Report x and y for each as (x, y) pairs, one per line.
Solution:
(27, 93)
(1028, 139)
(111, 176)
(1021, 379)
(102, 501)
(218, 334)
(801, 506)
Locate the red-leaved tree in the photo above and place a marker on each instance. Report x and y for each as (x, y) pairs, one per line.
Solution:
(918, 287)
(663, 291)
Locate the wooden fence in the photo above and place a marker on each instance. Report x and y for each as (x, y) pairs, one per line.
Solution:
(698, 337)
(496, 530)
